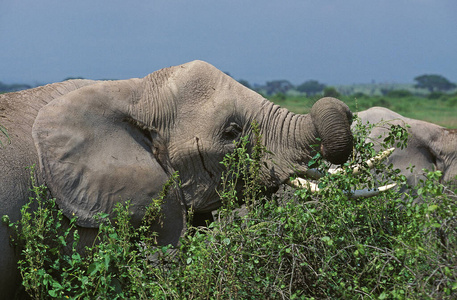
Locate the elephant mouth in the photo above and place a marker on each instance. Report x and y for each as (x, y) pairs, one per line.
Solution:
(336, 156)
(208, 208)
(200, 197)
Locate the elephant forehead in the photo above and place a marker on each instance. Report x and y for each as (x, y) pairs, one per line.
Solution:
(208, 113)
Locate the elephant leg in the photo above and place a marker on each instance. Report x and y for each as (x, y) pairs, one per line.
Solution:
(14, 192)
(171, 222)
(10, 277)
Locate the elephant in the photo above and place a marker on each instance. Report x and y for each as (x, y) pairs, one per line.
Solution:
(430, 146)
(97, 143)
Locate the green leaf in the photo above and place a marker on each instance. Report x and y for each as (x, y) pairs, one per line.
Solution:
(57, 285)
(107, 261)
(436, 225)
(361, 249)
(432, 207)
(328, 240)
(93, 268)
(76, 256)
(52, 293)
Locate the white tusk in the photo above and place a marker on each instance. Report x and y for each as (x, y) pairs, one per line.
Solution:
(303, 183)
(386, 187)
(313, 188)
(371, 192)
(378, 158)
(371, 162)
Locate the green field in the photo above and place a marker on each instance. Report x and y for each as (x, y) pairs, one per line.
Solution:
(442, 111)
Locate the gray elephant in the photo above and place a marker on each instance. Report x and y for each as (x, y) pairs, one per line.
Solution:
(99, 143)
(430, 146)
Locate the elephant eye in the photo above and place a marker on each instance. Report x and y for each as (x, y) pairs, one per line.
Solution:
(232, 132)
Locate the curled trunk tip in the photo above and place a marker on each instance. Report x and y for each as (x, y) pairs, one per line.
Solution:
(332, 119)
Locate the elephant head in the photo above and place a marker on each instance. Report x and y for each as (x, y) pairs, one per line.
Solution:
(430, 146)
(119, 140)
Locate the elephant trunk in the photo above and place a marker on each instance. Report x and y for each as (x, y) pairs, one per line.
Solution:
(332, 120)
(291, 138)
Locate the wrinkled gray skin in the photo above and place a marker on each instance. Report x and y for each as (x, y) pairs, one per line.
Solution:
(430, 146)
(17, 113)
(99, 143)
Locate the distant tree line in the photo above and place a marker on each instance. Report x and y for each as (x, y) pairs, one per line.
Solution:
(6, 88)
(430, 82)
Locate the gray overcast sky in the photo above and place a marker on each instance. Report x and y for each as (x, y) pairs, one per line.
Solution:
(335, 42)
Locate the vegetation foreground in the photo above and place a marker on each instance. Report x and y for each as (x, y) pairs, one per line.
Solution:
(293, 245)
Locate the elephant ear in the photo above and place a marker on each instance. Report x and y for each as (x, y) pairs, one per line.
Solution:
(92, 156)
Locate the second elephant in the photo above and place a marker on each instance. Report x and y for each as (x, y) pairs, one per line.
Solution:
(430, 146)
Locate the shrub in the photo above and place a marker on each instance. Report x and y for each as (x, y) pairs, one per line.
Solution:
(382, 102)
(437, 95)
(278, 97)
(452, 102)
(117, 266)
(399, 94)
(293, 245)
(360, 95)
(330, 91)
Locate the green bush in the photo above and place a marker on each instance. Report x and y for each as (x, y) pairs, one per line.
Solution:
(278, 97)
(437, 95)
(330, 91)
(452, 102)
(399, 94)
(293, 245)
